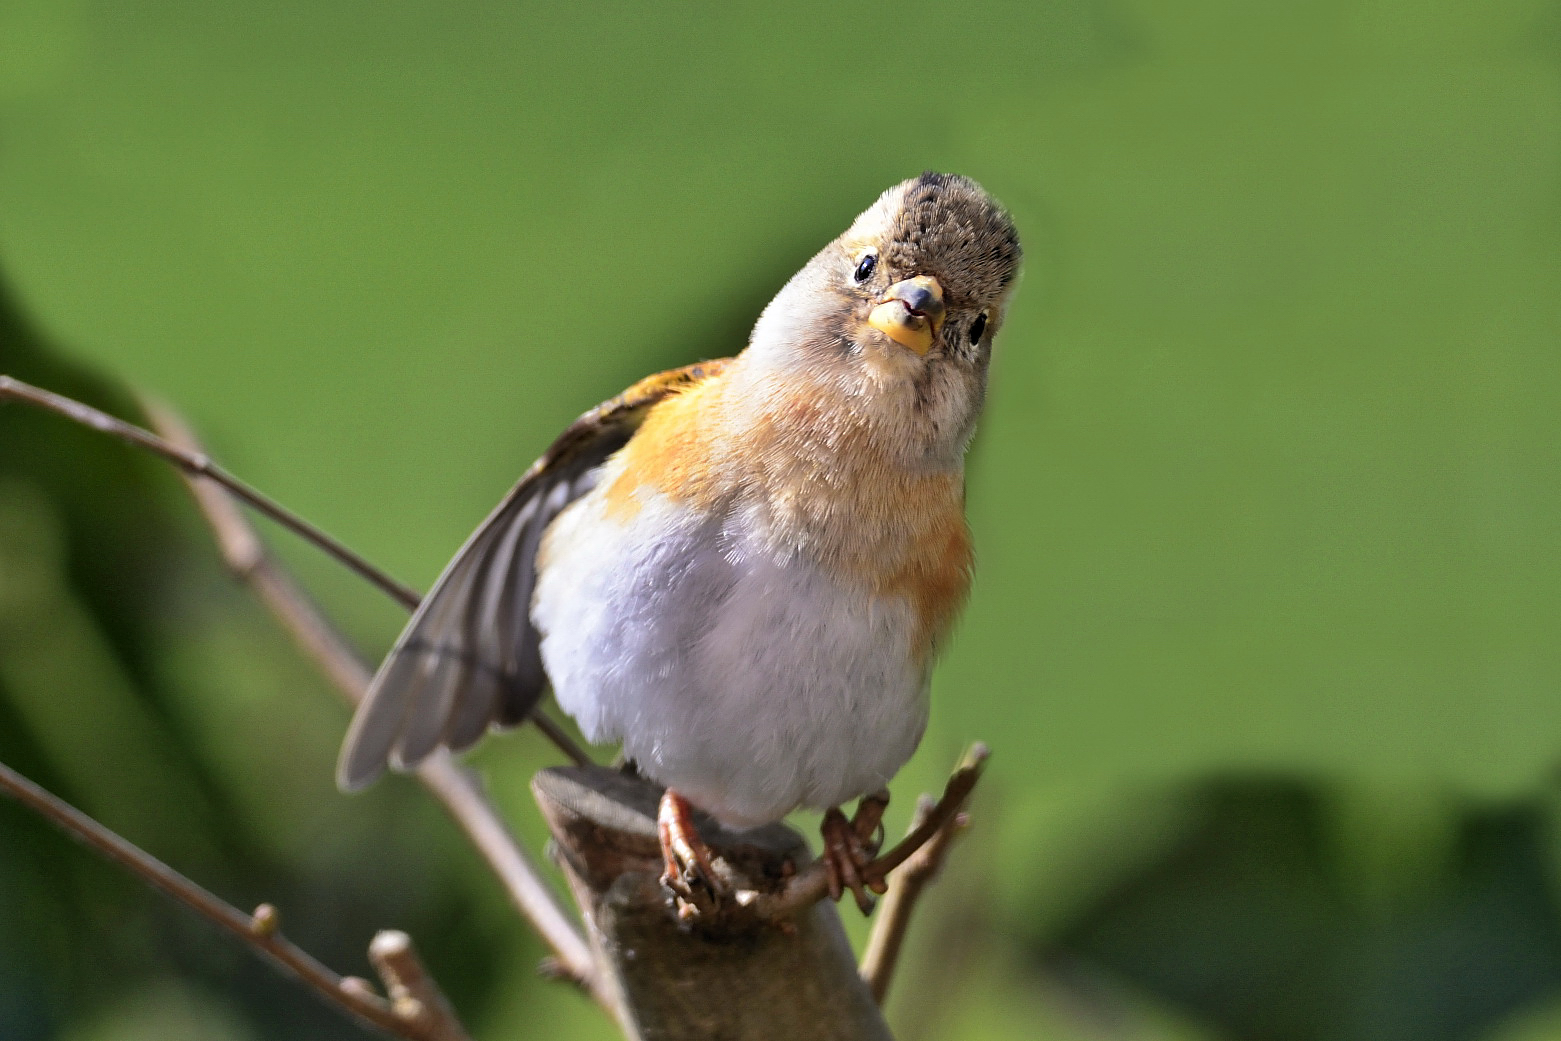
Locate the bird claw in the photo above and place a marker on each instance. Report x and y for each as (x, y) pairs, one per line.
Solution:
(699, 890)
(687, 869)
(850, 847)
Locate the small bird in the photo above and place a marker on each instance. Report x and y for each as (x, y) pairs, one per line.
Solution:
(741, 569)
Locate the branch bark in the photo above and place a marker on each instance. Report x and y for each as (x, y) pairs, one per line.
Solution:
(737, 976)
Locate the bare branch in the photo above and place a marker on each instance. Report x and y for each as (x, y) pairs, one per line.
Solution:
(199, 465)
(245, 545)
(462, 795)
(955, 791)
(260, 930)
(456, 788)
(905, 888)
(560, 737)
(414, 996)
(810, 885)
(728, 975)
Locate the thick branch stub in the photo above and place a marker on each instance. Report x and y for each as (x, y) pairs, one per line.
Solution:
(736, 977)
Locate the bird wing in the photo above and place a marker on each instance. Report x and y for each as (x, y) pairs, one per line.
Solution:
(470, 656)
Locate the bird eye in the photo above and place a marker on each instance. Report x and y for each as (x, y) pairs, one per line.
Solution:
(865, 266)
(977, 328)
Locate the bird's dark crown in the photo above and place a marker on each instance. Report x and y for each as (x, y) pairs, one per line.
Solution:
(949, 227)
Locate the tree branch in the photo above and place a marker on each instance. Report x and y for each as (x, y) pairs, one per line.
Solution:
(414, 997)
(196, 464)
(905, 888)
(809, 885)
(462, 795)
(199, 465)
(457, 788)
(431, 1020)
(729, 974)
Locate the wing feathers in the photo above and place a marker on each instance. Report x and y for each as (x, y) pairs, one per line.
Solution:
(469, 658)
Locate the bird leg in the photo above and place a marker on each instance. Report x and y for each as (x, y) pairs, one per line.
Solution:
(685, 857)
(849, 849)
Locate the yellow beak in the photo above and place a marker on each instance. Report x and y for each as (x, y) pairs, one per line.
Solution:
(910, 312)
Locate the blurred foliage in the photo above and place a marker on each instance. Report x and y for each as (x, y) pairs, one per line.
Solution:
(1290, 946)
(1264, 633)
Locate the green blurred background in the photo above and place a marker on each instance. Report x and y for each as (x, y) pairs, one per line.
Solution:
(1265, 500)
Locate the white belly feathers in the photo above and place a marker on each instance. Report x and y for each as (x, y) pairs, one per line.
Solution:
(751, 683)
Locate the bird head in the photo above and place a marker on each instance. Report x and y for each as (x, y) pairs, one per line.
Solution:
(904, 305)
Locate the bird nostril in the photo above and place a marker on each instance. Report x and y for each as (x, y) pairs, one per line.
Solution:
(919, 300)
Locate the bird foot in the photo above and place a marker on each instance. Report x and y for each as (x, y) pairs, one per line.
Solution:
(850, 847)
(688, 870)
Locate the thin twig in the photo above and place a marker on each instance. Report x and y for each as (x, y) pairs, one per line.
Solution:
(905, 887)
(259, 930)
(559, 736)
(955, 791)
(458, 789)
(462, 795)
(808, 886)
(198, 464)
(414, 996)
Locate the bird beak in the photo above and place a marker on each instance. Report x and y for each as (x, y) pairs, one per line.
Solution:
(910, 312)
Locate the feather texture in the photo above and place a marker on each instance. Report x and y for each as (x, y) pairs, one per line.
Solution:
(468, 659)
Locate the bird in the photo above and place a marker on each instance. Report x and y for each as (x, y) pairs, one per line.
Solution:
(742, 569)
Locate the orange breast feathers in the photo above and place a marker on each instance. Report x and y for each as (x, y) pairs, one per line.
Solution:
(818, 480)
